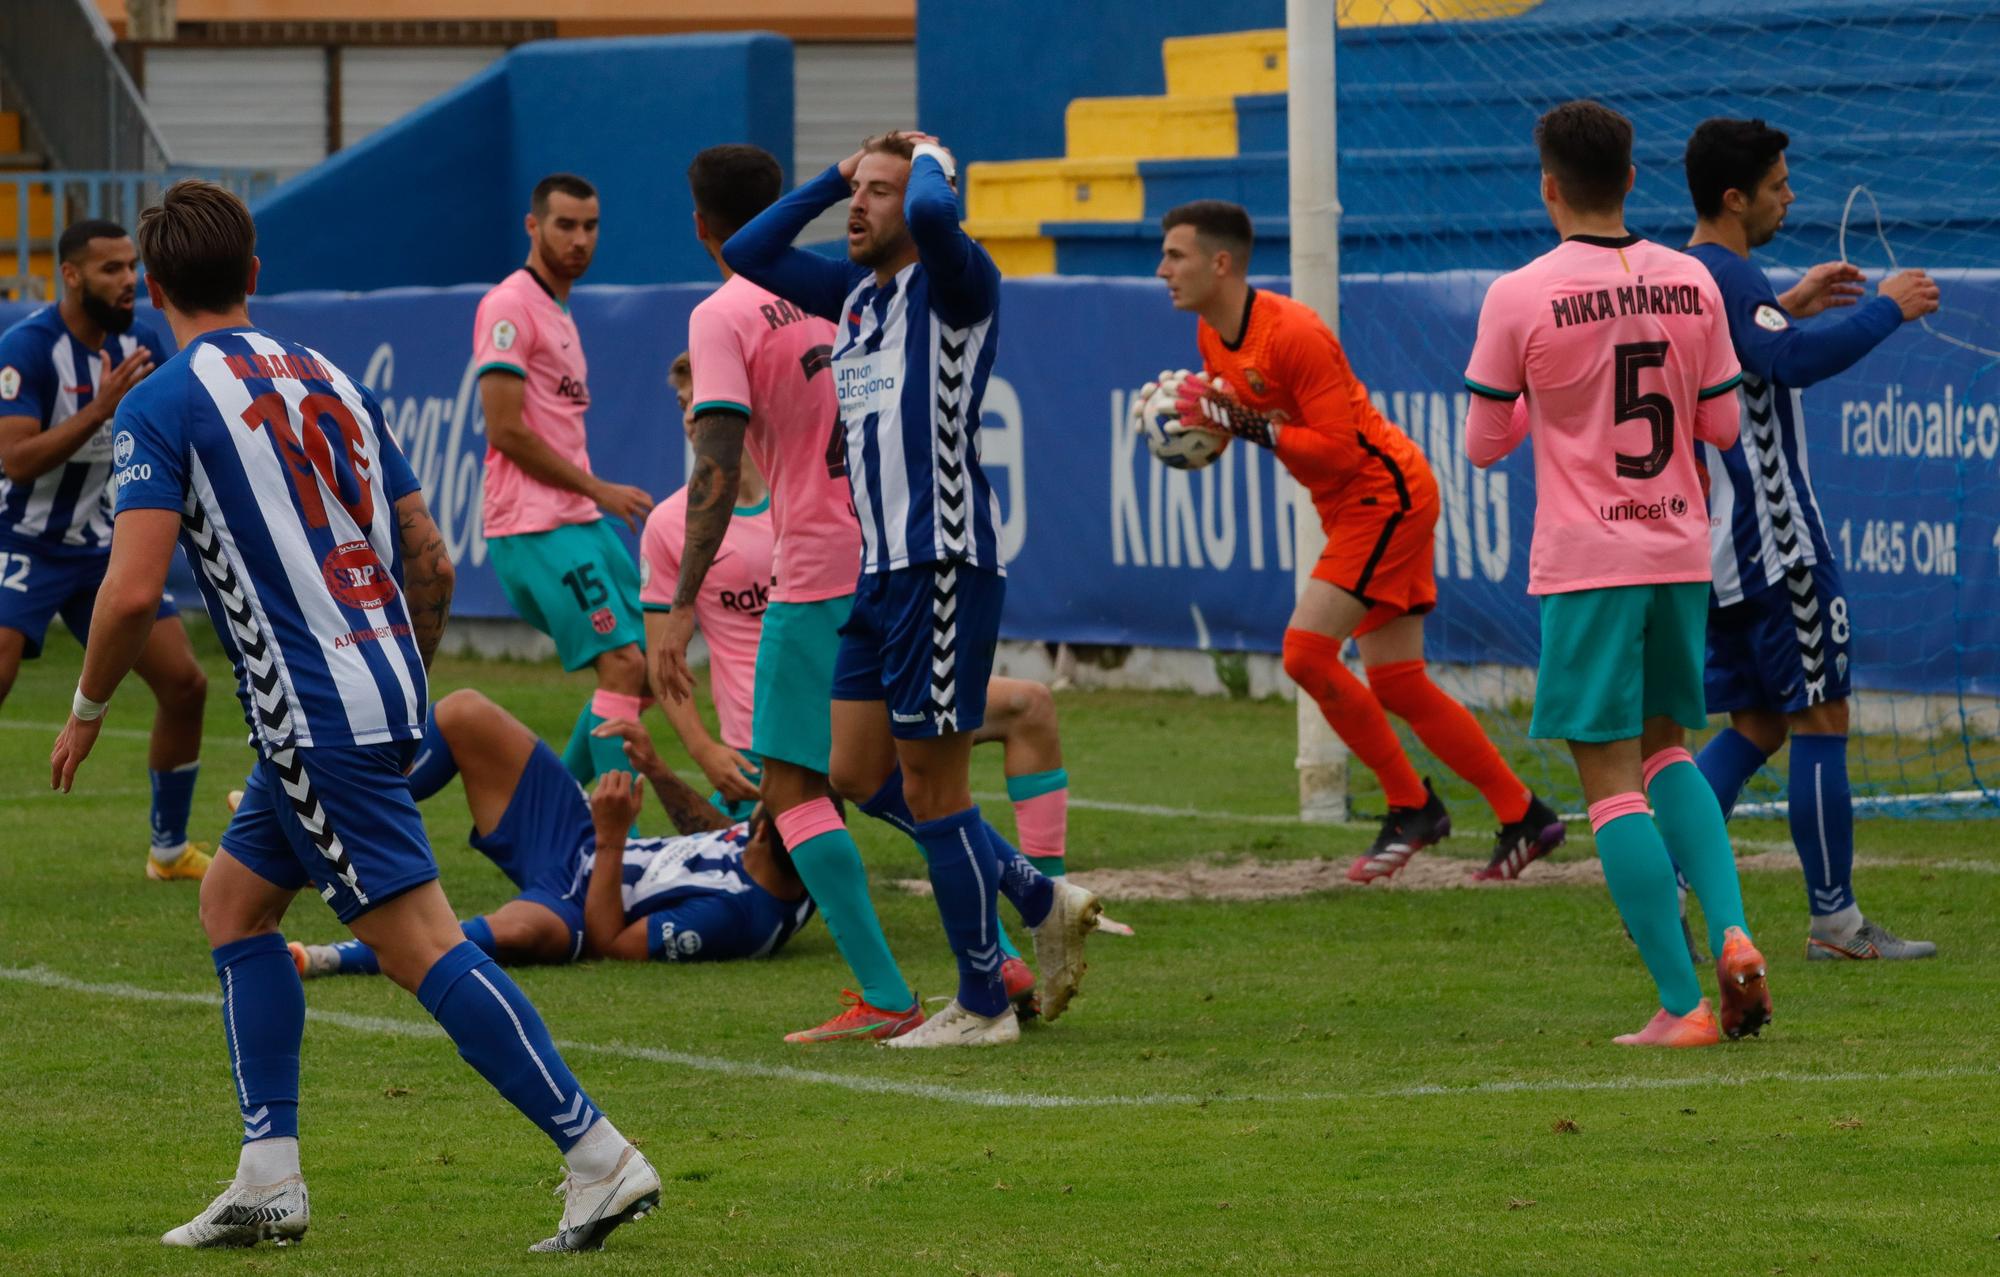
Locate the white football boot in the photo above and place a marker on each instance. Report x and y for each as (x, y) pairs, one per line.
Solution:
(1059, 945)
(591, 1211)
(956, 1026)
(246, 1214)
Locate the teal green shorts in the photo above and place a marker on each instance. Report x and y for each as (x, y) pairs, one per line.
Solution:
(577, 584)
(1613, 658)
(791, 716)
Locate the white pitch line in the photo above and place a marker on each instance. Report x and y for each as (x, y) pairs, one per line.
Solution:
(28, 794)
(982, 1098)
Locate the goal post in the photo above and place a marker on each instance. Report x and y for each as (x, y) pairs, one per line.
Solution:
(1315, 269)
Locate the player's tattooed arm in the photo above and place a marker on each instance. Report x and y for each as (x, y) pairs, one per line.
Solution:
(718, 465)
(428, 577)
(690, 812)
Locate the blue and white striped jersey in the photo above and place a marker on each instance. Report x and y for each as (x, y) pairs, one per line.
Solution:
(1764, 518)
(286, 479)
(47, 374)
(682, 875)
(910, 365)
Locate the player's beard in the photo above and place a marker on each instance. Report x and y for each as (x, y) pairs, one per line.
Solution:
(561, 265)
(109, 316)
(878, 247)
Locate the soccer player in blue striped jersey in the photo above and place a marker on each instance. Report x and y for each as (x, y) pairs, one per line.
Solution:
(329, 584)
(63, 370)
(1778, 628)
(916, 307)
(722, 889)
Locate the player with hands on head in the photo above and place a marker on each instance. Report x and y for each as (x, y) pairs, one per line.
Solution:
(63, 371)
(1779, 632)
(1275, 376)
(1613, 355)
(562, 566)
(917, 312)
(329, 585)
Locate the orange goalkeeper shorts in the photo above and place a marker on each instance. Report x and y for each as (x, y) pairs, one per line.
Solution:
(1380, 552)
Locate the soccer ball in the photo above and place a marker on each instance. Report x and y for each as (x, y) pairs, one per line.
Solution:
(1156, 417)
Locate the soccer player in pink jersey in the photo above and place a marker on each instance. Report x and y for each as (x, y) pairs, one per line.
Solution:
(1614, 353)
(730, 611)
(563, 568)
(763, 380)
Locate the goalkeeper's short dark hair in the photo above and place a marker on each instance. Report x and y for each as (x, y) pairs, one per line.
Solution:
(1220, 222)
(1587, 148)
(1725, 155)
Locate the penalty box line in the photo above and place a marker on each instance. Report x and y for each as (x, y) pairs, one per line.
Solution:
(42, 977)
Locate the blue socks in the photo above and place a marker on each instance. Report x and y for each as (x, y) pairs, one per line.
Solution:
(1729, 761)
(357, 958)
(1822, 816)
(263, 1021)
(1031, 892)
(500, 1034)
(965, 878)
(173, 798)
(435, 766)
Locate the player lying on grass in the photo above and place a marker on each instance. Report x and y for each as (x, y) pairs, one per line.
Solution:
(63, 371)
(916, 307)
(329, 586)
(1778, 628)
(721, 889)
(1275, 375)
(1614, 354)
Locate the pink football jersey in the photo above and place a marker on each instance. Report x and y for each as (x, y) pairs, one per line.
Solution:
(757, 354)
(730, 607)
(521, 328)
(1608, 350)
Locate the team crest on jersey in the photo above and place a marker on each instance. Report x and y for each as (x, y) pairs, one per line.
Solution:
(1771, 319)
(603, 621)
(688, 942)
(1255, 380)
(121, 448)
(10, 382)
(504, 333)
(355, 576)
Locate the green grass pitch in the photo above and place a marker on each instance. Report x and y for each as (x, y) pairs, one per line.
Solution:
(1357, 1081)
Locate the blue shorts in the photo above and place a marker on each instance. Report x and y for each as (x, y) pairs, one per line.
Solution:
(1784, 648)
(341, 818)
(37, 583)
(544, 842)
(922, 639)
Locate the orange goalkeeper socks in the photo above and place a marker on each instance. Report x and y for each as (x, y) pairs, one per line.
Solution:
(1450, 731)
(1313, 662)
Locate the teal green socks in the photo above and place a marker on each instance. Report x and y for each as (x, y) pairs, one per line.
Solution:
(1641, 879)
(1691, 823)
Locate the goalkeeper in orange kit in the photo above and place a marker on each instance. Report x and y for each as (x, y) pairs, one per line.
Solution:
(1276, 376)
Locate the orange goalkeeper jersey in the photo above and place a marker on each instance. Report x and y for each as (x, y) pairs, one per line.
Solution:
(1290, 367)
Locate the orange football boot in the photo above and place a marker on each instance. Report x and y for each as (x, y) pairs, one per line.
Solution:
(1745, 998)
(860, 1020)
(1696, 1028)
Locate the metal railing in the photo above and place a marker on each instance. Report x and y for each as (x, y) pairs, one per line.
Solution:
(58, 56)
(44, 203)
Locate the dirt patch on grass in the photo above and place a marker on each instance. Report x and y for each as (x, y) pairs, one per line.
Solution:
(1248, 878)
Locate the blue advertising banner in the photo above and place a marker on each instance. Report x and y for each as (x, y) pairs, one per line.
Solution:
(1104, 545)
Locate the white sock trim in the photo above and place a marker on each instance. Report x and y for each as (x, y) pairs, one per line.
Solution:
(268, 1161)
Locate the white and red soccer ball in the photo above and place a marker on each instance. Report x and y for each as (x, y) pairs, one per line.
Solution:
(1159, 412)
